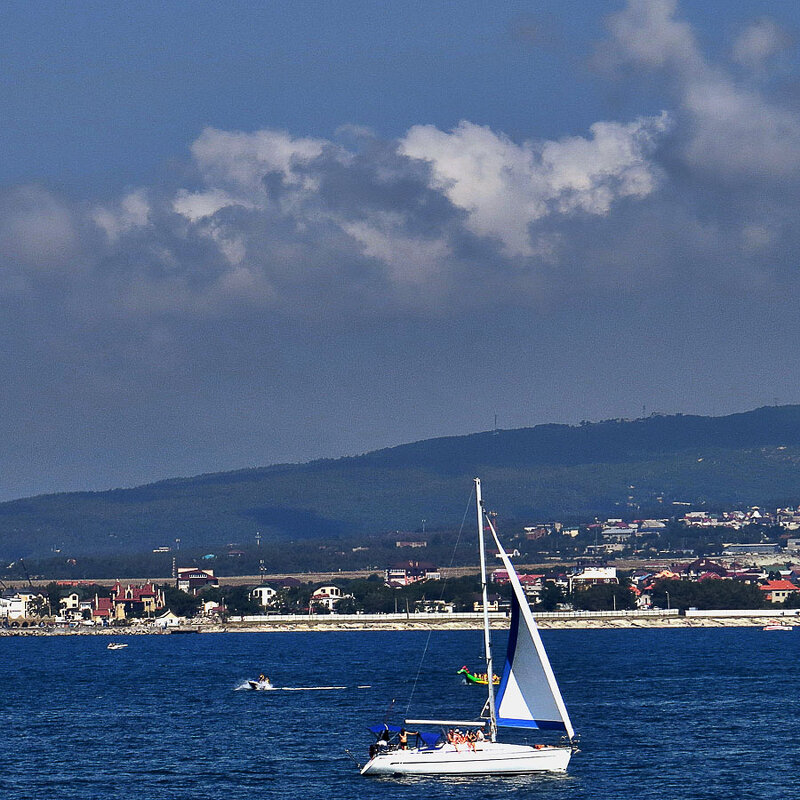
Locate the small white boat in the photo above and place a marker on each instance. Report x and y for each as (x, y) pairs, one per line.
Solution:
(261, 685)
(528, 697)
(116, 646)
(777, 627)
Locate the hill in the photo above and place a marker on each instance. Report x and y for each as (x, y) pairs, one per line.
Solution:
(621, 467)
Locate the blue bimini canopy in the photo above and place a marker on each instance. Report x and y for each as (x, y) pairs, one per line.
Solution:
(430, 740)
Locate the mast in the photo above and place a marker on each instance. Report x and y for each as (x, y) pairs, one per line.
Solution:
(487, 642)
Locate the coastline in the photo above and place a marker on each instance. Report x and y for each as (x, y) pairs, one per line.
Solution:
(425, 622)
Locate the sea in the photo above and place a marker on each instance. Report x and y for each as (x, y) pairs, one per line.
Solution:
(662, 713)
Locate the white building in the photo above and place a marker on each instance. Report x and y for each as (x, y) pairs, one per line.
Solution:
(168, 620)
(327, 597)
(20, 604)
(264, 595)
(12, 607)
(433, 607)
(591, 576)
(70, 602)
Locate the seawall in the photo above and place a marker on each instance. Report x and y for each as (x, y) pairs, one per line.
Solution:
(399, 622)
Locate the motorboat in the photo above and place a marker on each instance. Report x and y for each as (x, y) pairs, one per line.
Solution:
(261, 685)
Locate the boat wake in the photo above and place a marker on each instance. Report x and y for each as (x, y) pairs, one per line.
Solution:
(310, 688)
(246, 686)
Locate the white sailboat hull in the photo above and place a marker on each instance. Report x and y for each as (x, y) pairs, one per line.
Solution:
(488, 758)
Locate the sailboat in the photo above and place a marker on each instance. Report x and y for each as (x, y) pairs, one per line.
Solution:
(528, 697)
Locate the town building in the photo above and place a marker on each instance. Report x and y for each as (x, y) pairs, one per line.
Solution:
(264, 595)
(136, 601)
(12, 606)
(408, 572)
(192, 579)
(494, 603)
(592, 576)
(21, 604)
(703, 567)
(327, 597)
(753, 549)
(102, 610)
(433, 607)
(778, 591)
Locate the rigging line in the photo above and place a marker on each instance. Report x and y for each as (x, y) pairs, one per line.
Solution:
(441, 597)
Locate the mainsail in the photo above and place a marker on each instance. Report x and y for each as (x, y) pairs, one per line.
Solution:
(528, 695)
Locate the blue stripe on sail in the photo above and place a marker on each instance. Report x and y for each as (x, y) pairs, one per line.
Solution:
(513, 631)
(541, 724)
(510, 722)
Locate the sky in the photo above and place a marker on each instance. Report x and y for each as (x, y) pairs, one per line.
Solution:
(235, 234)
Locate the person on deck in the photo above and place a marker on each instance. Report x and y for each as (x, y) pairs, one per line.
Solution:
(402, 738)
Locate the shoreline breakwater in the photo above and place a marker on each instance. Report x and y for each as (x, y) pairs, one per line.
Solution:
(416, 622)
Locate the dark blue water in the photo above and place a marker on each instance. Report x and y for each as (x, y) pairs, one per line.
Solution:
(662, 714)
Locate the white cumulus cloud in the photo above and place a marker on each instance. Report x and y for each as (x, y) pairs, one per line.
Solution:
(505, 187)
(195, 206)
(240, 161)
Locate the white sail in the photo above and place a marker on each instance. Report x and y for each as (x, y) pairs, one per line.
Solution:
(528, 695)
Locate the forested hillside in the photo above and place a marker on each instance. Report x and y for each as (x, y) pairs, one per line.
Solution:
(619, 467)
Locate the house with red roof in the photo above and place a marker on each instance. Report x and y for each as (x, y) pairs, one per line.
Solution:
(778, 591)
(701, 567)
(136, 601)
(102, 610)
(192, 579)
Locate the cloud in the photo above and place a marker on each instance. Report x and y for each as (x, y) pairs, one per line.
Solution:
(37, 229)
(241, 161)
(758, 42)
(409, 259)
(505, 187)
(133, 212)
(358, 227)
(731, 132)
(195, 206)
(648, 33)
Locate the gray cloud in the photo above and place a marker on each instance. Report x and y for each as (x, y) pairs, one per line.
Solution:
(37, 229)
(759, 42)
(730, 131)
